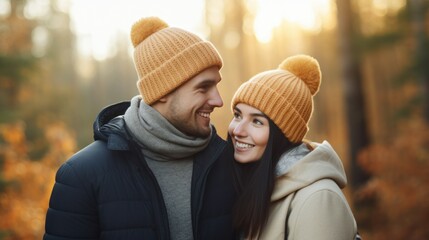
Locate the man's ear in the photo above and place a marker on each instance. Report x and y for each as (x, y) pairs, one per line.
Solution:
(160, 105)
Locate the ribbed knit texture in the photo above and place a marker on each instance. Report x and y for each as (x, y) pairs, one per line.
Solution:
(168, 57)
(283, 96)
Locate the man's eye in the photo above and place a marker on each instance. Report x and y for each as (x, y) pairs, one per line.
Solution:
(205, 88)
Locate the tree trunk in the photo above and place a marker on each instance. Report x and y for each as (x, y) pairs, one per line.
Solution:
(353, 90)
(422, 57)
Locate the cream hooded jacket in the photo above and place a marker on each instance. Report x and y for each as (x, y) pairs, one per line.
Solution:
(307, 194)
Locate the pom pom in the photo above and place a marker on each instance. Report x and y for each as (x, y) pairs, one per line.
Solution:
(306, 68)
(144, 28)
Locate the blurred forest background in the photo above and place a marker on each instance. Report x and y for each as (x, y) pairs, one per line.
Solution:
(373, 106)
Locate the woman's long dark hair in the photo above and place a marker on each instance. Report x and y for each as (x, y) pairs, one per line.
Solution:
(255, 182)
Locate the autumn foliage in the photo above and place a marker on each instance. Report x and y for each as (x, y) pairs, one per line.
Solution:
(27, 181)
(396, 197)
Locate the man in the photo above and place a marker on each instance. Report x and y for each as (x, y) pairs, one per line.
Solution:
(156, 169)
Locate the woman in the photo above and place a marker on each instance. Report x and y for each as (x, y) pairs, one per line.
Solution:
(288, 188)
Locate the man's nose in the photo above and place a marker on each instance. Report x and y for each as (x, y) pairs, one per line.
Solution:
(215, 99)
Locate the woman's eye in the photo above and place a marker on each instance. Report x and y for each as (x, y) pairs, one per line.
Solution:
(257, 122)
(237, 115)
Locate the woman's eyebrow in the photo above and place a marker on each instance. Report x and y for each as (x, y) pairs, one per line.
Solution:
(257, 114)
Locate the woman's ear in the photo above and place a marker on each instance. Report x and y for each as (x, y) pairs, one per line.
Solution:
(163, 99)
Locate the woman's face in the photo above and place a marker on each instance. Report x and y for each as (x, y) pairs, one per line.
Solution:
(249, 131)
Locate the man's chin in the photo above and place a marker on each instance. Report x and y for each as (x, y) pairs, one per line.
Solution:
(203, 132)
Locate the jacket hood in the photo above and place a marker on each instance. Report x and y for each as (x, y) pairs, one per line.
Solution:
(109, 126)
(321, 163)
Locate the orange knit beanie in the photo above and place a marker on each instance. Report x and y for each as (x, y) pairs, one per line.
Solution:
(285, 95)
(166, 57)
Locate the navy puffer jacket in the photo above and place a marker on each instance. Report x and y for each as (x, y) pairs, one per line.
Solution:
(107, 191)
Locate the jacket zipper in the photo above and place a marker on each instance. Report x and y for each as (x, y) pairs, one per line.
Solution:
(165, 223)
(200, 203)
(202, 188)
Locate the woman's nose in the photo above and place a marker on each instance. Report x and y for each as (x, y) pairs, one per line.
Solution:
(240, 130)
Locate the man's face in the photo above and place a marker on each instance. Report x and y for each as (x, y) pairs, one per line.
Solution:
(189, 107)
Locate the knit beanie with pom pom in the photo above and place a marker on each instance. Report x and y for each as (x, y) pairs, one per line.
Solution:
(166, 57)
(285, 95)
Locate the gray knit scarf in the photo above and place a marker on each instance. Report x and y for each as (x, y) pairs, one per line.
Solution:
(158, 138)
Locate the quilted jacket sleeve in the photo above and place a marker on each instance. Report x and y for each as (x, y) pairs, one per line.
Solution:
(72, 212)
